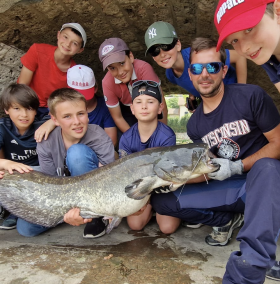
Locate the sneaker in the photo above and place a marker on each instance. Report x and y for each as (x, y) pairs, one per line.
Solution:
(96, 228)
(220, 236)
(9, 223)
(274, 272)
(191, 225)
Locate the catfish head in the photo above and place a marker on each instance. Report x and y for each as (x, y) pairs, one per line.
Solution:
(185, 162)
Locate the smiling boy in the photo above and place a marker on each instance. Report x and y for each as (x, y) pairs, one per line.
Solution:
(252, 27)
(73, 148)
(148, 132)
(165, 47)
(17, 143)
(45, 66)
(123, 71)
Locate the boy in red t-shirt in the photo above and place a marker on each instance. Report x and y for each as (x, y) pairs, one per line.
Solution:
(45, 67)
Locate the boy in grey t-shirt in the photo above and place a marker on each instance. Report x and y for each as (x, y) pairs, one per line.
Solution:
(73, 148)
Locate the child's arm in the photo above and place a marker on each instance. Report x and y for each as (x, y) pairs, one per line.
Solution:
(118, 118)
(112, 133)
(240, 66)
(25, 76)
(44, 130)
(277, 85)
(9, 165)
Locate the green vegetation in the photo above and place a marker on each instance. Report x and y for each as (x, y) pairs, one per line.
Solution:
(179, 125)
(172, 102)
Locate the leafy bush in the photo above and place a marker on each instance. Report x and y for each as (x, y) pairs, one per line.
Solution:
(179, 125)
(172, 103)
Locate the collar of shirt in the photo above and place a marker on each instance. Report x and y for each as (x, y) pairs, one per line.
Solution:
(15, 131)
(129, 85)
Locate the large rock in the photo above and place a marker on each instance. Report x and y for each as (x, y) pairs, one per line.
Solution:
(25, 22)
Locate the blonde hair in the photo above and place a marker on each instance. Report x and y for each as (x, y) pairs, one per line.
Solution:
(63, 95)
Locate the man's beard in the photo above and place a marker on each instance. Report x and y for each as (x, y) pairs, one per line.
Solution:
(211, 93)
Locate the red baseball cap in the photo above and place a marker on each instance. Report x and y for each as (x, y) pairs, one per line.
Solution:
(232, 16)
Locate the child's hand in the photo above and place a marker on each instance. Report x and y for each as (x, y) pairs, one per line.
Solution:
(73, 217)
(1, 174)
(10, 166)
(44, 130)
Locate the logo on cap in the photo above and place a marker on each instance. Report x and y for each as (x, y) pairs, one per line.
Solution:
(106, 49)
(227, 5)
(152, 33)
(80, 84)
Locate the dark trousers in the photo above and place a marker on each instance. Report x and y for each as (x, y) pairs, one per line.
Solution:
(260, 191)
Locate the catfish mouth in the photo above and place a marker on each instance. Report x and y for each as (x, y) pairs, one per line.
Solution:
(210, 154)
(213, 165)
(210, 163)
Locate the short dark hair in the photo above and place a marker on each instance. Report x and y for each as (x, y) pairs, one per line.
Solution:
(20, 94)
(127, 52)
(270, 10)
(63, 95)
(201, 43)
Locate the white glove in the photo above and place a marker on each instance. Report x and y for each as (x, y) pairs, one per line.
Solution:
(162, 189)
(227, 169)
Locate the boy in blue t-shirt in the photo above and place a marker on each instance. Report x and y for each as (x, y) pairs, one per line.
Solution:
(148, 132)
(164, 46)
(17, 143)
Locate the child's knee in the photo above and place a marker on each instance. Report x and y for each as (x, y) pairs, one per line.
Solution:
(136, 226)
(167, 228)
(168, 224)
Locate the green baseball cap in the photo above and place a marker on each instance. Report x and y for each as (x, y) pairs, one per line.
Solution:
(159, 33)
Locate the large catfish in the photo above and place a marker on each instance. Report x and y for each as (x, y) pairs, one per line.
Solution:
(115, 190)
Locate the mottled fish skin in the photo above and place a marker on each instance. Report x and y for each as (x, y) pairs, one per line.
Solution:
(44, 199)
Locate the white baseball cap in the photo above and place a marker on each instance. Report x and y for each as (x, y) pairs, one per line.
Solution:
(81, 78)
(78, 28)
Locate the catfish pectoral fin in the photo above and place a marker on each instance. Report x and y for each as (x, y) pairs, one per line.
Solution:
(114, 223)
(141, 187)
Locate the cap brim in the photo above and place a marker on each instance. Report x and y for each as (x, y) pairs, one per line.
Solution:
(241, 22)
(113, 58)
(88, 93)
(163, 40)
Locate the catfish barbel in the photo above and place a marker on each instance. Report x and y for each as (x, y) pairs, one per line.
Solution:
(115, 191)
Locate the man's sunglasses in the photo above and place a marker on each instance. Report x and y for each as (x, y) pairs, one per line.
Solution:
(155, 49)
(211, 67)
